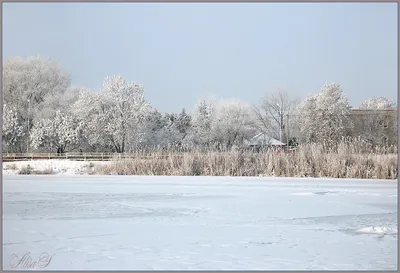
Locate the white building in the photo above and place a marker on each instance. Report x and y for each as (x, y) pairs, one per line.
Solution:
(263, 140)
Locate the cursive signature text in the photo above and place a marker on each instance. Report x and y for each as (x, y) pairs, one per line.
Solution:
(27, 261)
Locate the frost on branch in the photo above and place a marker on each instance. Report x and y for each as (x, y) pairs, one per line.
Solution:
(60, 101)
(307, 120)
(221, 123)
(375, 122)
(176, 129)
(114, 117)
(377, 103)
(60, 132)
(169, 130)
(203, 116)
(232, 124)
(33, 78)
(27, 84)
(272, 114)
(326, 117)
(13, 128)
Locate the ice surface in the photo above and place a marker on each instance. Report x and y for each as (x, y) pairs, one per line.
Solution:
(200, 223)
(377, 230)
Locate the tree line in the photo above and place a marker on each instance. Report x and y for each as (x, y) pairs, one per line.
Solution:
(43, 112)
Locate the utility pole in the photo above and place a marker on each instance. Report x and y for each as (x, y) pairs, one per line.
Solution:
(27, 140)
(282, 126)
(287, 130)
(280, 123)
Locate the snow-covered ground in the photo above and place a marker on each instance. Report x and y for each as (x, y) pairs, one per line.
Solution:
(57, 166)
(198, 223)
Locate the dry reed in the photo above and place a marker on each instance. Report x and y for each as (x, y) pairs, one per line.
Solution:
(349, 159)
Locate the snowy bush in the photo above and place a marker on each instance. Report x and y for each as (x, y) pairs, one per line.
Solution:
(325, 117)
(62, 132)
(13, 128)
(35, 79)
(203, 116)
(232, 123)
(113, 117)
(221, 123)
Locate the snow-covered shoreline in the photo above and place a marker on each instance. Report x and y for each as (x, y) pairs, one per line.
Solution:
(74, 167)
(52, 166)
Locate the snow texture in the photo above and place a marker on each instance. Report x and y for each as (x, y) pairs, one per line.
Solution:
(199, 223)
(58, 166)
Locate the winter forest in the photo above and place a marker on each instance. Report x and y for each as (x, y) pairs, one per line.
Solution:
(43, 113)
(199, 136)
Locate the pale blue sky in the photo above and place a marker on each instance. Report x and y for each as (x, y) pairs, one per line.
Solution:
(183, 51)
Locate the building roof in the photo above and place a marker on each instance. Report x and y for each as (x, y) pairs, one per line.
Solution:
(366, 112)
(264, 140)
(388, 110)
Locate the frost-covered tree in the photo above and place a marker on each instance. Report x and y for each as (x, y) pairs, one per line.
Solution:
(168, 130)
(155, 120)
(61, 132)
(203, 116)
(326, 117)
(13, 129)
(169, 136)
(307, 120)
(220, 123)
(232, 124)
(273, 112)
(90, 110)
(61, 101)
(376, 103)
(27, 83)
(33, 79)
(114, 117)
(177, 128)
(375, 124)
(183, 123)
(152, 125)
(372, 126)
(334, 112)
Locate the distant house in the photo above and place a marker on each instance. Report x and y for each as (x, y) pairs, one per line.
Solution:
(379, 126)
(263, 140)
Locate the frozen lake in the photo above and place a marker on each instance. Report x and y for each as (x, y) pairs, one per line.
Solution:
(198, 223)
